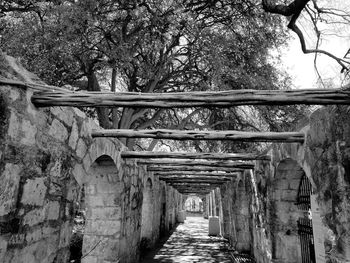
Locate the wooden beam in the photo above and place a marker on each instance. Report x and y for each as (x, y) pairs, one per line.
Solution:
(195, 177)
(187, 156)
(194, 185)
(191, 173)
(192, 99)
(195, 168)
(204, 135)
(179, 180)
(189, 192)
(194, 192)
(221, 164)
(197, 183)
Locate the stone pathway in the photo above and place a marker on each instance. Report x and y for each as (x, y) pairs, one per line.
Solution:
(190, 243)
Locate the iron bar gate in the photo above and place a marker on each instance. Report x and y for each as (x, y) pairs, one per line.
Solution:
(305, 223)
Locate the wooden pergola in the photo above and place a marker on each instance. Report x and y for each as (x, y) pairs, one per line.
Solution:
(195, 172)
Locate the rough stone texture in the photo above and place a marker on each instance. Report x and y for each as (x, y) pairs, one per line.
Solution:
(47, 158)
(9, 188)
(270, 193)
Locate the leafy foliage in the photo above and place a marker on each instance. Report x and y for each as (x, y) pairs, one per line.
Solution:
(153, 46)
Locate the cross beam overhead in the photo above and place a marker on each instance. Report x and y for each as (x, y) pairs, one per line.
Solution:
(196, 168)
(222, 164)
(196, 179)
(192, 99)
(203, 135)
(194, 173)
(169, 178)
(186, 155)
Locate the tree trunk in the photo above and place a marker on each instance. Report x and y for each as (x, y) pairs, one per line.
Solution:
(115, 117)
(102, 112)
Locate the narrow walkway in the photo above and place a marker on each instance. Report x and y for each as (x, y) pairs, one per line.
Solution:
(190, 243)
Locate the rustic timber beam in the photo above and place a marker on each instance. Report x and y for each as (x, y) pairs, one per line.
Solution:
(195, 177)
(194, 191)
(179, 180)
(226, 164)
(204, 135)
(192, 99)
(193, 173)
(194, 168)
(175, 184)
(187, 155)
(195, 185)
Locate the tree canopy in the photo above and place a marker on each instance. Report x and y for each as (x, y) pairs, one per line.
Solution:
(157, 46)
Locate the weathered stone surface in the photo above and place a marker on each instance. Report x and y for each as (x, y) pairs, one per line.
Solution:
(38, 233)
(90, 259)
(14, 127)
(3, 248)
(63, 114)
(74, 136)
(81, 148)
(34, 192)
(29, 133)
(14, 94)
(104, 227)
(104, 212)
(58, 131)
(9, 188)
(65, 234)
(53, 210)
(34, 217)
(79, 174)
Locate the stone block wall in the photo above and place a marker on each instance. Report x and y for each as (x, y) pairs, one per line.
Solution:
(271, 194)
(47, 157)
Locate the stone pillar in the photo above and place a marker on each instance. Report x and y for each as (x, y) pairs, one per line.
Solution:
(103, 217)
(147, 211)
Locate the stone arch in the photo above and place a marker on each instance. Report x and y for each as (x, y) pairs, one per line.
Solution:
(147, 212)
(242, 218)
(98, 147)
(193, 203)
(284, 213)
(103, 210)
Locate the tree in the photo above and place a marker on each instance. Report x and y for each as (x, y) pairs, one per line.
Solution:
(150, 46)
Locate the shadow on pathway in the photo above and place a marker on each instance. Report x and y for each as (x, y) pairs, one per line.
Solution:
(190, 243)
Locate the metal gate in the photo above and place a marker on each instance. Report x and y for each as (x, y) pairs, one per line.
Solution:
(305, 223)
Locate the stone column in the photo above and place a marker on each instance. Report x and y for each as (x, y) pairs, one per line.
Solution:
(103, 217)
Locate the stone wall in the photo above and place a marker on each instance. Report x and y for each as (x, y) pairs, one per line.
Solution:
(48, 159)
(270, 194)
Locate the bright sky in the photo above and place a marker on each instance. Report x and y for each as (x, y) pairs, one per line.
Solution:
(301, 66)
(335, 39)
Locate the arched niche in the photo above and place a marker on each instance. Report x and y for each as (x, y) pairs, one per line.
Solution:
(147, 213)
(285, 212)
(194, 204)
(242, 218)
(103, 211)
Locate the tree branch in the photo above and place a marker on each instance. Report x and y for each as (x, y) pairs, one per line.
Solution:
(294, 10)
